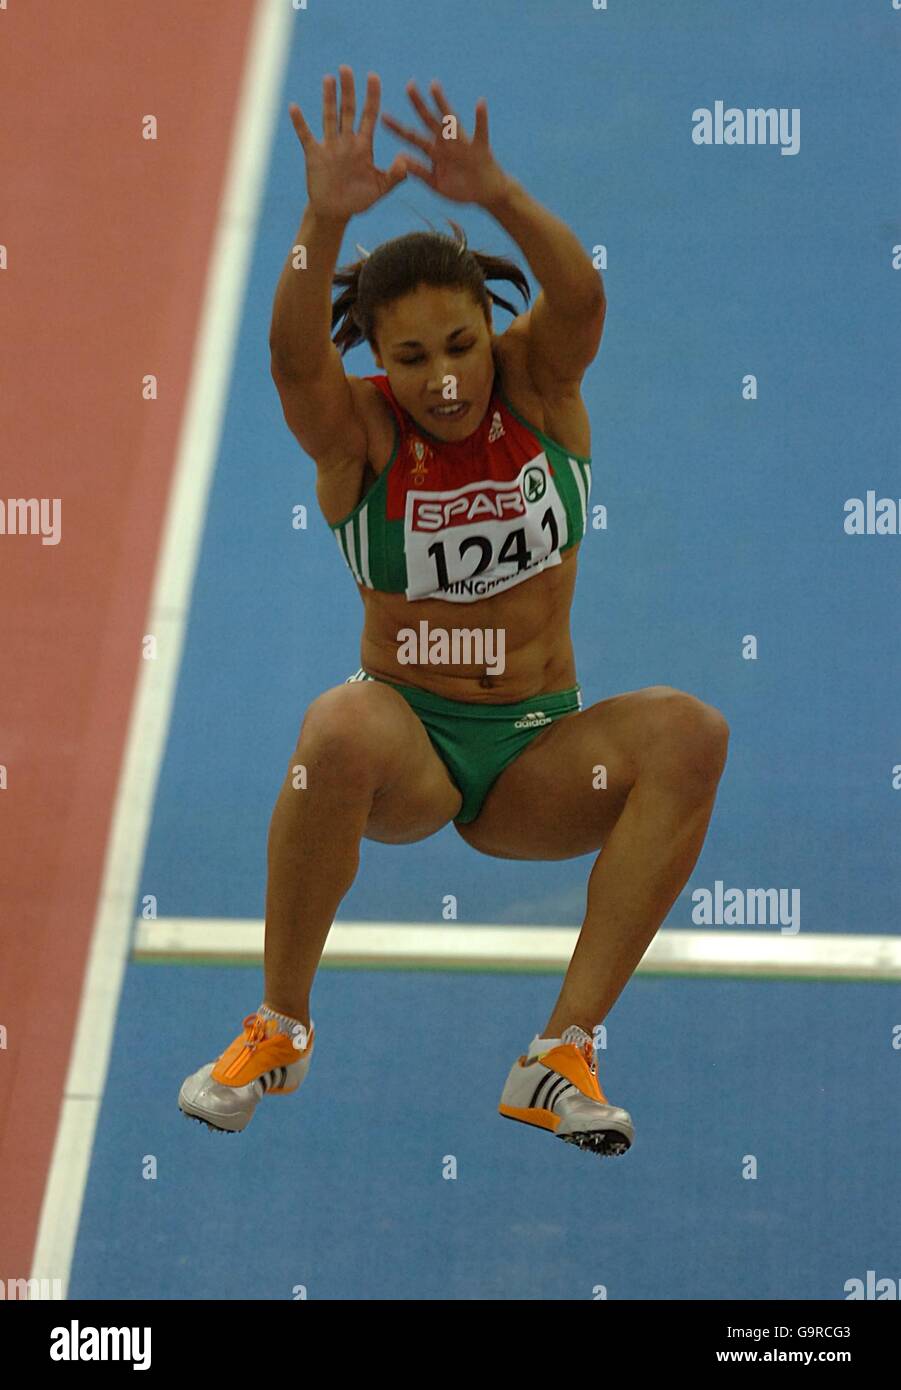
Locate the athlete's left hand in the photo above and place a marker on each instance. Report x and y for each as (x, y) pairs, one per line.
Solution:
(463, 170)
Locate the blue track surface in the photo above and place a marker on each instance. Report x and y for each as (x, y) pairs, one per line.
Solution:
(725, 519)
(339, 1188)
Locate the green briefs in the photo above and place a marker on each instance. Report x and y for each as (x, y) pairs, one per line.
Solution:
(477, 741)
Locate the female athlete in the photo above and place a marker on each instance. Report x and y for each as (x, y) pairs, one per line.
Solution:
(456, 483)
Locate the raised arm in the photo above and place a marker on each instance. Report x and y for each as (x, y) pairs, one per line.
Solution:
(316, 395)
(300, 342)
(563, 328)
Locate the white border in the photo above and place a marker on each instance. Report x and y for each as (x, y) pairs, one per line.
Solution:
(269, 46)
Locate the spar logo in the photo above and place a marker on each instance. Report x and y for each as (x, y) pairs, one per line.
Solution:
(459, 509)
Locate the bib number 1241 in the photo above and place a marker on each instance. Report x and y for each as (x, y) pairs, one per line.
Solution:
(513, 550)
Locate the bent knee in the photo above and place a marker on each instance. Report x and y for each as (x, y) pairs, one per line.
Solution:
(354, 725)
(688, 739)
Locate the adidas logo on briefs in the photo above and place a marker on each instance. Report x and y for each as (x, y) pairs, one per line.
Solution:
(533, 720)
(497, 427)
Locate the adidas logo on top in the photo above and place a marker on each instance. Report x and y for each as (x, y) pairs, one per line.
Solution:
(497, 428)
(533, 720)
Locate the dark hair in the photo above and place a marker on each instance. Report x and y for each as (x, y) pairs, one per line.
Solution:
(398, 266)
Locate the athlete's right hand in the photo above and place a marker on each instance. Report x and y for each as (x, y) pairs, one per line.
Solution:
(341, 176)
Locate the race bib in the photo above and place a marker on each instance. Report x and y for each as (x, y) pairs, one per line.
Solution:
(470, 542)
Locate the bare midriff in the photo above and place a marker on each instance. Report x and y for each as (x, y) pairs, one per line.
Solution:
(533, 617)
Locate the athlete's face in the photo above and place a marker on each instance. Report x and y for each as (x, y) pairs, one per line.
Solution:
(435, 345)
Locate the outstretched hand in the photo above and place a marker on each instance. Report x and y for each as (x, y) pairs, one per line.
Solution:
(461, 169)
(341, 175)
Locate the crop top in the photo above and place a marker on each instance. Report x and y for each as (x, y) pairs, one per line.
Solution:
(462, 520)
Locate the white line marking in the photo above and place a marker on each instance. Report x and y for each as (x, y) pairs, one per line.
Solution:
(269, 45)
(472, 947)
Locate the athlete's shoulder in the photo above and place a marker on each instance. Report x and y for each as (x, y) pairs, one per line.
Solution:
(561, 417)
(511, 359)
(375, 404)
(374, 393)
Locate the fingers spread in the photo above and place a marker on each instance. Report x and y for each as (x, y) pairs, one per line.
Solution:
(407, 133)
(329, 107)
(481, 131)
(422, 171)
(439, 98)
(348, 100)
(371, 104)
(398, 171)
(304, 134)
(422, 109)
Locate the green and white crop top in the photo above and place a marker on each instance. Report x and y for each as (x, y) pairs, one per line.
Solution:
(466, 519)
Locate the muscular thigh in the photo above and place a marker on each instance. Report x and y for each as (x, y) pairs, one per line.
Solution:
(368, 727)
(563, 795)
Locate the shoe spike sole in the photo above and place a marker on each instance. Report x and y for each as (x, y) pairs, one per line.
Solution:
(215, 1129)
(605, 1143)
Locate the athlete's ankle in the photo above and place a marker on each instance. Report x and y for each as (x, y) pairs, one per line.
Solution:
(289, 1012)
(571, 1020)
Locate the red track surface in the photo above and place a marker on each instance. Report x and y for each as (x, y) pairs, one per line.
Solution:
(108, 238)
